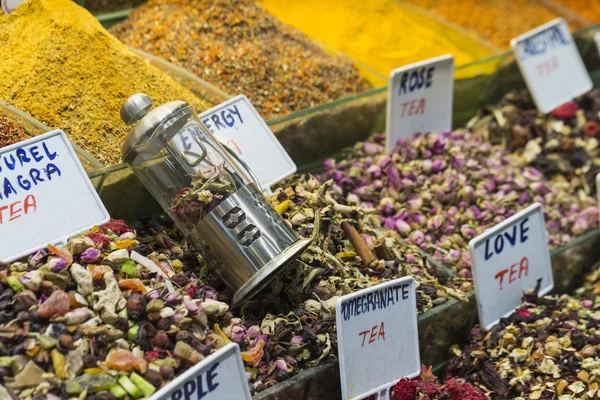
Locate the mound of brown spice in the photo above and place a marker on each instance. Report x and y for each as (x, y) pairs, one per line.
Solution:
(242, 49)
(10, 133)
(63, 68)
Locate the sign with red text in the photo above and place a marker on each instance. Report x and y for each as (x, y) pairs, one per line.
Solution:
(220, 376)
(508, 260)
(237, 125)
(420, 99)
(378, 339)
(9, 5)
(551, 65)
(45, 195)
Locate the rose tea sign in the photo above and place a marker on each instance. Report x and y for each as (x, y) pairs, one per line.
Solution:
(420, 99)
(378, 341)
(45, 195)
(508, 260)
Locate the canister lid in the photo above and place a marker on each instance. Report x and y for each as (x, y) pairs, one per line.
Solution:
(141, 139)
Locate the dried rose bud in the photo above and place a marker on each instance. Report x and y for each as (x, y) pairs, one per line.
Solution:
(27, 298)
(253, 332)
(90, 255)
(57, 264)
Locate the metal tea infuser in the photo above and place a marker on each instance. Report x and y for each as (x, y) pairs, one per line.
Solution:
(242, 237)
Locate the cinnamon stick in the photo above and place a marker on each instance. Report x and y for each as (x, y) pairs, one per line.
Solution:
(363, 251)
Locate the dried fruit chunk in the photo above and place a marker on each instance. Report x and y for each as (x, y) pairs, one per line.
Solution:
(124, 360)
(57, 304)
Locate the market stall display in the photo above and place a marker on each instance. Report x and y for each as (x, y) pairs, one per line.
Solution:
(381, 34)
(441, 190)
(65, 70)
(241, 48)
(125, 312)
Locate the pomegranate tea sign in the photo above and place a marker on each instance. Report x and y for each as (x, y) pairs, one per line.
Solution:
(378, 341)
(508, 260)
(45, 195)
(420, 99)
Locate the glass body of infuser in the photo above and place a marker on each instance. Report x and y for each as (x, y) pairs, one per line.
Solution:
(210, 194)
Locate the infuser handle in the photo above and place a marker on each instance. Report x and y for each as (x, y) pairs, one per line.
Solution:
(243, 164)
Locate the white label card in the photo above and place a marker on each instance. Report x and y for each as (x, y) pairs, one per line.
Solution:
(9, 5)
(507, 261)
(45, 195)
(237, 124)
(598, 186)
(220, 376)
(378, 340)
(551, 65)
(420, 99)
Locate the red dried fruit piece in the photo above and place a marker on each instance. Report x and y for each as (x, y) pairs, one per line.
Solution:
(405, 389)
(124, 360)
(565, 111)
(590, 129)
(57, 304)
(523, 312)
(192, 291)
(462, 391)
(117, 226)
(99, 240)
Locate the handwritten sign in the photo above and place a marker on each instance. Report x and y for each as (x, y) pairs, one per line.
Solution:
(420, 99)
(220, 376)
(378, 341)
(508, 260)
(551, 65)
(237, 124)
(45, 195)
(9, 5)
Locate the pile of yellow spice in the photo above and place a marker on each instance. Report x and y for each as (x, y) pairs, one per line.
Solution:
(382, 34)
(63, 68)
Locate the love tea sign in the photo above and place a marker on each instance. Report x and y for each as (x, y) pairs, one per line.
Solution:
(507, 261)
(220, 376)
(551, 65)
(420, 99)
(45, 195)
(378, 341)
(237, 125)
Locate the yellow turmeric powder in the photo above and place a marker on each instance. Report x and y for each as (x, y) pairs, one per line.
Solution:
(63, 68)
(382, 34)
(494, 20)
